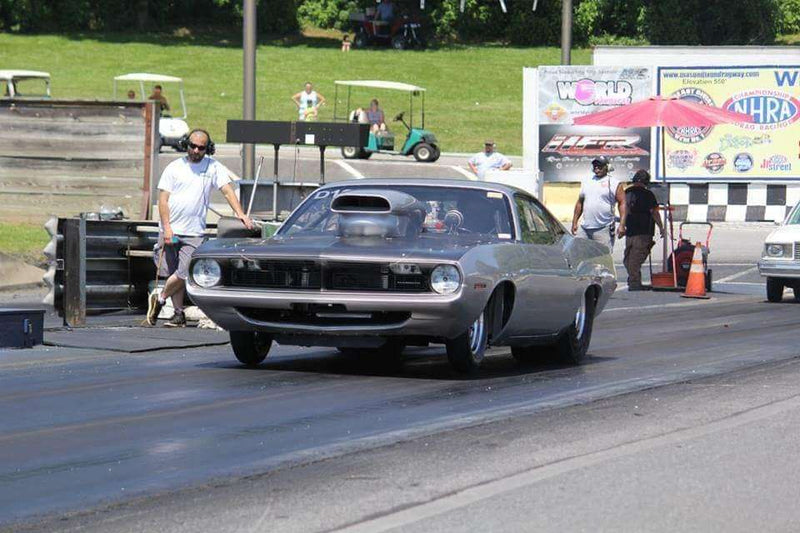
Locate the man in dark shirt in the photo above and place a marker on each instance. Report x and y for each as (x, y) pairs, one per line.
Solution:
(638, 224)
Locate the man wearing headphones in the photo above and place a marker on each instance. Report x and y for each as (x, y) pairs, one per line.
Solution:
(184, 194)
(638, 224)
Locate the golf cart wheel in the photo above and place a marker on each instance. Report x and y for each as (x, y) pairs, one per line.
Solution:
(399, 42)
(250, 347)
(424, 152)
(774, 290)
(436, 153)
(351, 152)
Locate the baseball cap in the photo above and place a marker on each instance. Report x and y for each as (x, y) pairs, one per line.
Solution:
(488, 141)
(601, 161)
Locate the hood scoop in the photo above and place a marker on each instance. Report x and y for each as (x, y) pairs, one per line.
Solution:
(378, 213)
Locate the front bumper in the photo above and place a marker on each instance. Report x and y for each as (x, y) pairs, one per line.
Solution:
(426, 315)
(779, 268)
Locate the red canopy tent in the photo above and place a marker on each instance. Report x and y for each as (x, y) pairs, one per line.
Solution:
(663, 112)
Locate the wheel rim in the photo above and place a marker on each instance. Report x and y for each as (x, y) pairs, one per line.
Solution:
(580, 318)
(349, 151)
(424, 153)
(476, 334)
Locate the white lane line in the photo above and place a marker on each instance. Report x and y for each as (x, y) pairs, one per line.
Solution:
(677, 304)
(353, 172)
(476, 493)
(739, 283)
(737, 275)
(464, 172)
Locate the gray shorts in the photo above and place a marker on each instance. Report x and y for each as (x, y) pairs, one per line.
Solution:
(604, 235)
(176, 256)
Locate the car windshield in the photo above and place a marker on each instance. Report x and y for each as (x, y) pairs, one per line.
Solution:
(794, 218)
(468, 211)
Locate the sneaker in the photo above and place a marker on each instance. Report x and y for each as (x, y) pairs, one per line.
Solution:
(178, 320)
(153, 309)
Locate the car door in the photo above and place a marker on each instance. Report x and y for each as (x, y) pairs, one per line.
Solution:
(545, 283)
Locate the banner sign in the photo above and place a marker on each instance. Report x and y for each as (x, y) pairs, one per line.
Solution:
(766, 150)
(566, 151)
(567, 92)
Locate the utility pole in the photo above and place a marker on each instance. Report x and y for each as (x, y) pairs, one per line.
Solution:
(566, 32)
(249, 92)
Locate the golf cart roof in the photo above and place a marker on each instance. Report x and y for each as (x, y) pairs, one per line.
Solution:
(377, 84)
(144, 76)
(21, 74)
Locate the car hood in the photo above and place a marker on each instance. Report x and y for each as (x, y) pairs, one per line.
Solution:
(433, 248)
(784, 235)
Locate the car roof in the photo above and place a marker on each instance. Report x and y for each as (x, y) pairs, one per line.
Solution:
(378, 84)
(145, 76)
(20, 74)
(429, 182)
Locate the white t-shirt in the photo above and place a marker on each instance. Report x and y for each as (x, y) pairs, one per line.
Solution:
(189, 186)
(486, 162)
(599, 198)
(307, 100)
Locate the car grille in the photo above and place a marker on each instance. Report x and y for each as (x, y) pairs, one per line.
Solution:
(325, 316)
(318, 275)
(797, 250)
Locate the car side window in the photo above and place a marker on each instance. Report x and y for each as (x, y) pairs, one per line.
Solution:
(533, 223)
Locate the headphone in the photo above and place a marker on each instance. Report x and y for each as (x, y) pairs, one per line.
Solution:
(183, 143)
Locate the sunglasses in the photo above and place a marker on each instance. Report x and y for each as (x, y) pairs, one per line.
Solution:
(200, 147)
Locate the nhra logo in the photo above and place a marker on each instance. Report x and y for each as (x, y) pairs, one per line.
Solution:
(591, 92)
(681, 159)
(714, 162)
(776, 162)
(591, 145)
(691, 134)
(743, 162)
(769, 108)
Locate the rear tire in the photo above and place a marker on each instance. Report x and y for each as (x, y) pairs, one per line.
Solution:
(466, 351)
(436, 153)
(774, 290)
(351, 152)
(574, 343)
(250, 347)
(424, 152)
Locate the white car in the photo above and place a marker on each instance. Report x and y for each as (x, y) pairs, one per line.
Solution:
(780, 259)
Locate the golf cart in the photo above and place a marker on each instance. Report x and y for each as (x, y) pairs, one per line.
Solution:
(419, 142)
(170, 128)
(401, 33)
(19, 84)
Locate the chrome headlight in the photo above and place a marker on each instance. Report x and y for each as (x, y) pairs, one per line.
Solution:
(206, 272)
(776, 250)
(445, 279)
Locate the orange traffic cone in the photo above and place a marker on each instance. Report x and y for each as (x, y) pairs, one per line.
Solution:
(696, 284)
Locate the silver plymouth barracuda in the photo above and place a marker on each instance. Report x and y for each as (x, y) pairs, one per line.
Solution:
(780, 259)
(376, 265)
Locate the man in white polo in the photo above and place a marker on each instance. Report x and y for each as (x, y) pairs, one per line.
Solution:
(488, 159)
(599, 194)
(184, 193)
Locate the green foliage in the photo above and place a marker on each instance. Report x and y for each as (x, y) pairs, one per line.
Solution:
(789, 16)
(274, 16)
(710, 22)
(326, 13)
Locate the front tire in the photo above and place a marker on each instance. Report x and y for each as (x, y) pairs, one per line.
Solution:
(466, 351)
(574, 343)
(250, 347)
(424, 152)
(774, 290)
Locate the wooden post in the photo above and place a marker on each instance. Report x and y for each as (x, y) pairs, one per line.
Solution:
(152, 143)
(75, 271)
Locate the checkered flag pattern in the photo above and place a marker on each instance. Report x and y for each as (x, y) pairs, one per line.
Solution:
(733, 202)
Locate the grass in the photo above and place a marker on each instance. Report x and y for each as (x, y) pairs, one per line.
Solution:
(474, 92)
(24, 241)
